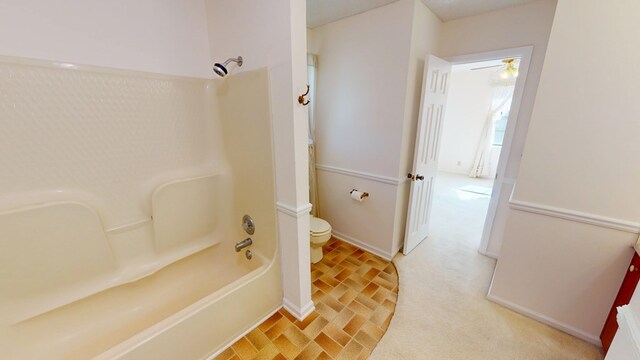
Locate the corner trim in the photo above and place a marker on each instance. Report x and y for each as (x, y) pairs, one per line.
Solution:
(299, 313)
(577, 216)
(355, 242)
(294, 212)
(629, 323)
(362, 175)
(546, 320)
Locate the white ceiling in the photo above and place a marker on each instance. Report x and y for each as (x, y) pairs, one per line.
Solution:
(320, 12)
(453, 9)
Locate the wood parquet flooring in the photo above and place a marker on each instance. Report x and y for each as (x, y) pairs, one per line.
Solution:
(355, 295)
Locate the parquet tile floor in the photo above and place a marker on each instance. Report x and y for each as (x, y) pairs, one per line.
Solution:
(355, 295)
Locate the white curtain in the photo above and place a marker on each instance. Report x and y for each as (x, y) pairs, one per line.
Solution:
(500, 105)
(312, 67)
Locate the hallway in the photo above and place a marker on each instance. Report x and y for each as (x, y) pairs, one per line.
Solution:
(442, 312)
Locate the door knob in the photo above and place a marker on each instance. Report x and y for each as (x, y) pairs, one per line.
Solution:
(419, 177)
(410, 176)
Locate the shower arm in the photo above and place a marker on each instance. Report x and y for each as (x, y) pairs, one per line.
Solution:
(237, 60)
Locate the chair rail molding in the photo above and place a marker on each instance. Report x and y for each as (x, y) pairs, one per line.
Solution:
(363, 175)
(577, 216)
(293, 211)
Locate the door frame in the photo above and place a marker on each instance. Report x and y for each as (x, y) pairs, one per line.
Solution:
(524, 53)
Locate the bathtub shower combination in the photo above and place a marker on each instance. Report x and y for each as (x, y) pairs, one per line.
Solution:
(122, 198)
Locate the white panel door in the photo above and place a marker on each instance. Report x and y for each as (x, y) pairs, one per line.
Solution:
(435, 84)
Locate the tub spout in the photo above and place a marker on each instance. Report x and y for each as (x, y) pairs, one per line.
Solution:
(243, 244)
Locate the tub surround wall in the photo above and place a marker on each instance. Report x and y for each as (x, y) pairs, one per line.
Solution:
(185, 38)
(246, 302)
(118, 182)
(272, 34)
(575, 201)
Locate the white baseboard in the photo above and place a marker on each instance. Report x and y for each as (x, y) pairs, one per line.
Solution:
(594, 339)
(355, 242)
(489, 254)
(299, 313)
(250, 329)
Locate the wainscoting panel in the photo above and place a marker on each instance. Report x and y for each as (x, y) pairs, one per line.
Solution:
(564, 271)
(368, 224)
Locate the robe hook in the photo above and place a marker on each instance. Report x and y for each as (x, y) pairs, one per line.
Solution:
(301, 100)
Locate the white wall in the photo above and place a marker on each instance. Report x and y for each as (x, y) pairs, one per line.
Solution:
(580, 170)
(517, 26)
(367, 66)
(164, 36)
(468, 104)
(425, 39)
(361, 88)
(272, 34)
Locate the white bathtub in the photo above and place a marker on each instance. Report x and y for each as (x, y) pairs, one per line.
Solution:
(186, 310)
(120, 204)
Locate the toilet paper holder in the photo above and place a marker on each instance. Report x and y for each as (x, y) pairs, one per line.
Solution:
(364, 194)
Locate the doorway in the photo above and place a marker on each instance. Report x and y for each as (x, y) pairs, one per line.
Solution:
(476, 152)
(477, 114)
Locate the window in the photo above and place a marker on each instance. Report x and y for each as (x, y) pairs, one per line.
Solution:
(499, 127)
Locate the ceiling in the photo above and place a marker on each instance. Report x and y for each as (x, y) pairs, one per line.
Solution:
(320, 12)
(453, 9)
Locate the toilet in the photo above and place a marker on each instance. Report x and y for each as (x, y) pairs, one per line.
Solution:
(320, 233)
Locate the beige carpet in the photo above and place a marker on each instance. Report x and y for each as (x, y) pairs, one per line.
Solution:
(442, 312)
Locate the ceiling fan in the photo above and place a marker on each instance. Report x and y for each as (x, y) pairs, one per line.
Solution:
(509, 68)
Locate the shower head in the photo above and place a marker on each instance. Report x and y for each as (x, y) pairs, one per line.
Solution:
(221, 69)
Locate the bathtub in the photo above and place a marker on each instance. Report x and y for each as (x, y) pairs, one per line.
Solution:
(118, 229)
(183, 311)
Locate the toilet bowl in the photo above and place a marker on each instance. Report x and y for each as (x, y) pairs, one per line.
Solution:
(320, 233)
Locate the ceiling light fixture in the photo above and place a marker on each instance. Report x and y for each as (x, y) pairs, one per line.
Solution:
(510, 71)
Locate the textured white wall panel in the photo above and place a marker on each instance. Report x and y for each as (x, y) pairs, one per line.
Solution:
(75, 283)
(114, 135)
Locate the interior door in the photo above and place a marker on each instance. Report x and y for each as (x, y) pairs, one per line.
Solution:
(435, 84)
